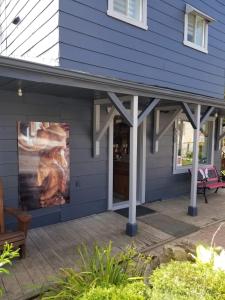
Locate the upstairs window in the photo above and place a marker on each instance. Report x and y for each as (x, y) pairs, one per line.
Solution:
(196, 29)
(131, 11)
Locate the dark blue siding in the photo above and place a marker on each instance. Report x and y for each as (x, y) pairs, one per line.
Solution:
(161, 183)
(88, 174)
(93, 42)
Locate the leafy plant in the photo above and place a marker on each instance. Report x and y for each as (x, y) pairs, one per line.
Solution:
(6, 257)
(99, 268)
(187, 281)
(133, 291)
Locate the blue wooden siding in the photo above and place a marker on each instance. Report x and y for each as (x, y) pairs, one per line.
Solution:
(88, 184)
(161, 183)
(93, 42)
(88, 189)
(36, 37)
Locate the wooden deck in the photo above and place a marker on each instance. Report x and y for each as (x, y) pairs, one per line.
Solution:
(52, 247)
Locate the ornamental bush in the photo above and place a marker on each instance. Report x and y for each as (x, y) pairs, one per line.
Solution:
(187, 281)
(133, 291)
(123, 276)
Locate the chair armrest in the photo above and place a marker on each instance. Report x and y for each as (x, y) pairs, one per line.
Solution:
(22, 217)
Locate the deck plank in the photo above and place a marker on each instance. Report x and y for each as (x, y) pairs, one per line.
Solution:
(52, 247)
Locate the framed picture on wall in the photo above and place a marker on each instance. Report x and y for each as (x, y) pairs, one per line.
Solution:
(44, 160)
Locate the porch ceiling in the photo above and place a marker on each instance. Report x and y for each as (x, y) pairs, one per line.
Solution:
(57, 81)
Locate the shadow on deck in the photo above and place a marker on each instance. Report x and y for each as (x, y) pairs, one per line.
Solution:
(52, 247)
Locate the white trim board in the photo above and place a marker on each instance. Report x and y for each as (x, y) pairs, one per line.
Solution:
(141, 168)
(182, 170)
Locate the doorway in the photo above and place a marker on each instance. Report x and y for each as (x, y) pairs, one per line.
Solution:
(121, 150)
(119, 163)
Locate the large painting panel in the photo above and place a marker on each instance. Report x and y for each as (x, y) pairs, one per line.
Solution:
(44, 173)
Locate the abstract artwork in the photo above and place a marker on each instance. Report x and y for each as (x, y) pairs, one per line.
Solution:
(44, 172)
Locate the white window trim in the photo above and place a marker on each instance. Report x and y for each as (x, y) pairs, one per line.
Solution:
(141, 24)
(190, 9)
(182, 170)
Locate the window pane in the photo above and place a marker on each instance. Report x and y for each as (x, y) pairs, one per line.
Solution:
(130, 8)
(185, 143)
(120, 6)
(185, 134)
(200, 24)
(191, 28)
(134, 9)
(204, 145)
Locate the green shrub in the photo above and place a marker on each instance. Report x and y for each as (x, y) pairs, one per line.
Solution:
(134, 291)
(6, 257)
(187, 281)
(99, 267)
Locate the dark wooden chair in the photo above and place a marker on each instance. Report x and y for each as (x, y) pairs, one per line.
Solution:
(17, 238)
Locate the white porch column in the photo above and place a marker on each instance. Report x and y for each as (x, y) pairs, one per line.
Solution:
(192, 209)
(131, 228)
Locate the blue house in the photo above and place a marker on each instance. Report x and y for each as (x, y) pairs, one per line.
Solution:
(140, 83)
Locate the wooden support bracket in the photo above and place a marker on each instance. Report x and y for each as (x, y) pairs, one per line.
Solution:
(103, 130)
(206, 115)
(120, 107)
(189, 114)
(99, 132)
(169, 123)
(147, 110)
(158, 134)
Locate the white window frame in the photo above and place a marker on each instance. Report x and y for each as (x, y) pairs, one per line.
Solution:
(141, 24)
(184, 169)
(191, 10)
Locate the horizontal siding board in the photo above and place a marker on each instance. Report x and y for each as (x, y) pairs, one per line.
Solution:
(156, 57)
(88, 180)
(136, 69)
(81, 66)
(94, 44)
(75, 20)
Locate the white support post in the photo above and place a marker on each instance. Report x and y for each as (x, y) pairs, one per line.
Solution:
(131, 228)
(192, 209)
(96, 128)
(156, 130)
(142, 162)
(110, 160)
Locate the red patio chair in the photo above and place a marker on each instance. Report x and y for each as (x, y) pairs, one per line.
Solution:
(209, 179)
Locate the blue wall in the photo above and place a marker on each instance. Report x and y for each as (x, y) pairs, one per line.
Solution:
(88, 184)
(91, 41)
(88, 189)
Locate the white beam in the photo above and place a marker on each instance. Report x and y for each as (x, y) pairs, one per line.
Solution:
(189, 114)
(147, 110)
(110, 165)
(120, 107)
(192, 209)
(132, 225)
(103, 130)
(106, 101)
(169, 123)
(96, 128)
(142, 162)
(156, 130)
(206, 115)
